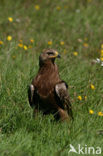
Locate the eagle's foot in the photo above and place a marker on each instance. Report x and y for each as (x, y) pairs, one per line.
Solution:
(62, 115)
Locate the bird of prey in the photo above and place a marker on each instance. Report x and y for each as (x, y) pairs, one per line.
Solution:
(47, 92)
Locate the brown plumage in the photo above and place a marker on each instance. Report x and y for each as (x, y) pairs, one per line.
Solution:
(47, 92)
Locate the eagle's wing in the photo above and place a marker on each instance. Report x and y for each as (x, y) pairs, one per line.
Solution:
(63, 97)
(31, 90)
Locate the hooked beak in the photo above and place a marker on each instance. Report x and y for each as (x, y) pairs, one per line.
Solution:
(57, 55)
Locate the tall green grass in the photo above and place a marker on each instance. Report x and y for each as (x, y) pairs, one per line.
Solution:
(76, 23)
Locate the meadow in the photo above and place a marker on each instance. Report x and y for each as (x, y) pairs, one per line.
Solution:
(75, 29)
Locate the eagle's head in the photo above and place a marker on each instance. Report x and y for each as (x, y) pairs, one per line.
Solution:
(48, 55)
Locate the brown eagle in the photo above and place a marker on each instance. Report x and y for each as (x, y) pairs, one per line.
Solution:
(47, 92)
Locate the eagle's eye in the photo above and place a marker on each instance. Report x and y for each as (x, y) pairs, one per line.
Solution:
(50, 53)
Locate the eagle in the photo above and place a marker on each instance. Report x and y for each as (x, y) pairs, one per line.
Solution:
(48, 93)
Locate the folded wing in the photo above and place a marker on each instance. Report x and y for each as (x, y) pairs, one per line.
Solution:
(31, 90)
(63, 97)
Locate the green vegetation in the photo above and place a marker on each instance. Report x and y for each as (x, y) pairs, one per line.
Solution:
(79, 25)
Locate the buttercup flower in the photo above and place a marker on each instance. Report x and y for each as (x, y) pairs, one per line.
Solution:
(79, 98)
(91, 111)
(62, 43)
(49, 42)
(37, 7)
(10, 19)
(58, 8)
(102, 46)
(85, 97)
(101, 52)
(100, 114)
(20, 45)
(1, 42)
(101, 58)
(25, 47)
(9, 38)
(85, 45)
(21, 41)
(92, 87)
(75, 53)
(31, 40)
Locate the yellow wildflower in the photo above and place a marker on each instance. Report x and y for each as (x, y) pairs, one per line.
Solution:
(9, 38)
(101, 52)
(21, 41)
(37, 7)
(101, 46)
(92, 87)
(49, 42)
(101, 58)
(14, 57)
(31, 40)
(1, 42)
(85, 45)
(10, 19)
(25, 47)
(75, 53)
(20, 45)
(100, 114)
(85, 97)
(62, 43)
(79, 98)
(58, 8)
(91, 111)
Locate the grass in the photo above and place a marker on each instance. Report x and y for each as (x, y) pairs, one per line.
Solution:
(76, 23)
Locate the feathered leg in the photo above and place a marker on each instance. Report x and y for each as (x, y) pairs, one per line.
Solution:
(63, 114)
